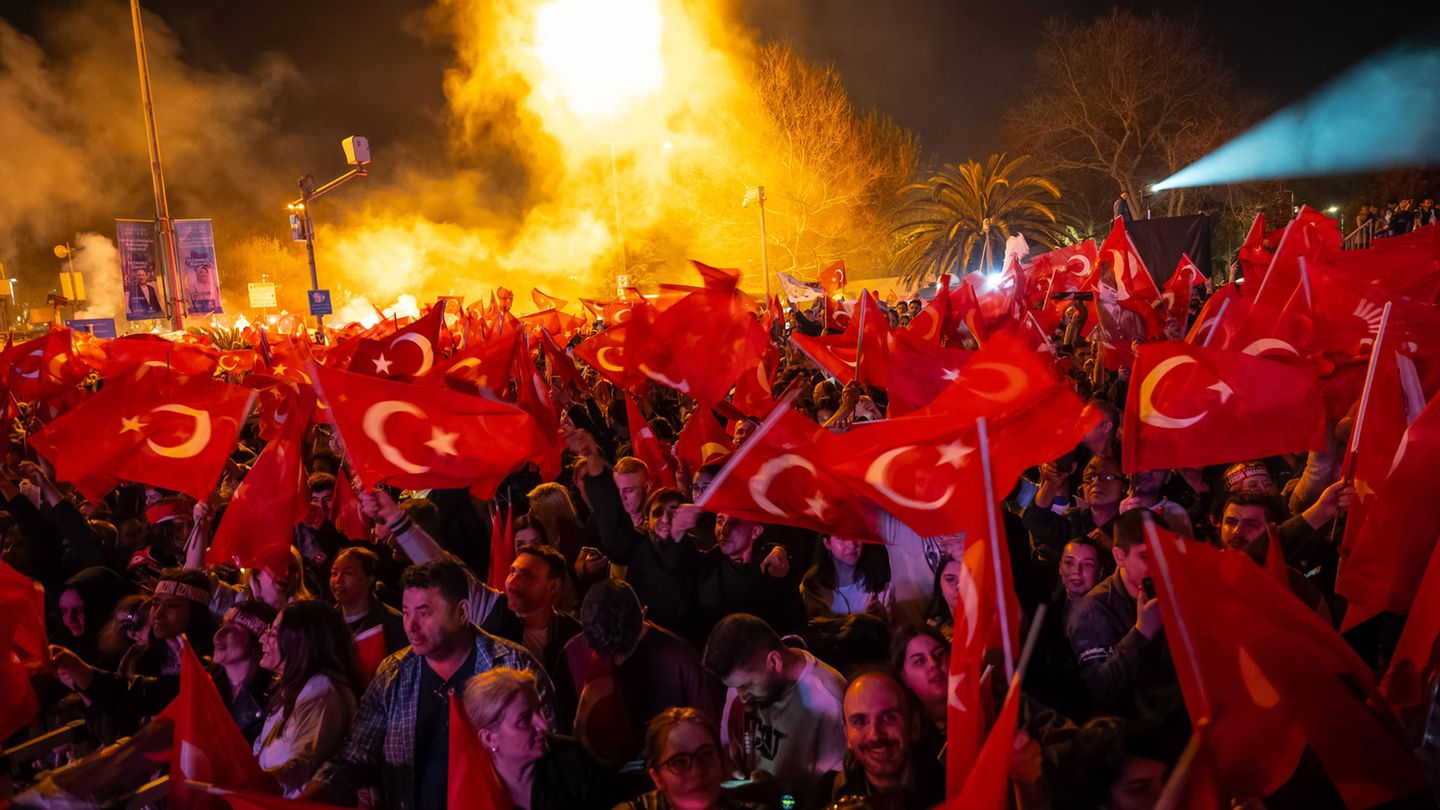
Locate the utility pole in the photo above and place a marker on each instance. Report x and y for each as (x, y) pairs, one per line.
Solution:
(757, 194)
(168, 252)
(357, 154)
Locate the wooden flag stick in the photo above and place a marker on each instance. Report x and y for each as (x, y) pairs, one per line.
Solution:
(996, 548)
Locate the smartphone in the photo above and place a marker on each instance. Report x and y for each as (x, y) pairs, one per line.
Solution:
(1149, 585)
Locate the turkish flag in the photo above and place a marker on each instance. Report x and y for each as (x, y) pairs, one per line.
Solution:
(699, 345)
(703, 439)
(1066, 269)
(425, 438)
(1118, 254)
(975, 620)
(832, 278)
(868, 332)
(484, 365)
(754, 390)
(1387, 540)
(606, 353)
(779, 475)
(1179, 286)
(258, 527)
(408, 354)
(1192, 407)
(717, 279)
(370, 649)
(645, 446)
(207, 744)
(24, 649)
(1406, 265)
(929, 325)
(472, 781)
(988, 785)
(1193, 783)
(1311, 236)
(543, 301)
(502, 546)
(559, 364)
(553, 321)
(1415, 658)
(920, 370)
(1272, 677)
(123, 354)
(345, 509)
(1221, 318)
(45, 366)
(154, 427)
(1254, 258)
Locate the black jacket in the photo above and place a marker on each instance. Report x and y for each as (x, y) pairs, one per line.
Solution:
(568, 778)
(924, 786)
(1124, 672)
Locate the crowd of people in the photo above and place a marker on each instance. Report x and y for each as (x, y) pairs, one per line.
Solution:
(1397, 217)
(639, 651)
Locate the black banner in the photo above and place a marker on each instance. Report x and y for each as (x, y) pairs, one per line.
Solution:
(1162, 241)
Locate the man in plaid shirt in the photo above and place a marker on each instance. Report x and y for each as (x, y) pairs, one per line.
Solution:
(400, 731)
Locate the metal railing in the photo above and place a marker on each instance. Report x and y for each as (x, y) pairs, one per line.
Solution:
(1361, 237)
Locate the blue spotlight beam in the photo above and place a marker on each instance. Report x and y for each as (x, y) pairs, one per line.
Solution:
(1383, 113)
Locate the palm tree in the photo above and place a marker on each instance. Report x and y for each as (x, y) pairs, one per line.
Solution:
(958, 219)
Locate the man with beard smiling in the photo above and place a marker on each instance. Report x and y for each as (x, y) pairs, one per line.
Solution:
(782, 715)
(880, 765)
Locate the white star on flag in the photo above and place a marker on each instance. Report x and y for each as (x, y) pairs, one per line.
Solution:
(442, 443)
(382, 366)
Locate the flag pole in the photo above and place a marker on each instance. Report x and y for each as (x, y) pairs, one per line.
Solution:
(1347, 466)
(1162, 564)
(1215, 323)
(860, 335)
(1173, 796)
(996, 548)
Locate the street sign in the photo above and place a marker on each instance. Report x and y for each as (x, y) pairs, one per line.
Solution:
(262, 294)
(320, 302)
(99, 327)
(621, 282)
(72, 286)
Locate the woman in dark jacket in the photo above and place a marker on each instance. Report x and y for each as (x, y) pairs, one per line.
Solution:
(541, 771)
(86, 603)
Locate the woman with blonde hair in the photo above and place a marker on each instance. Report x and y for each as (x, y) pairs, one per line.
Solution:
(541, 771)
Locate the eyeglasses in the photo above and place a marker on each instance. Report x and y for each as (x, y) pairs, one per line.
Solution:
(680, 764)
(1103, 478)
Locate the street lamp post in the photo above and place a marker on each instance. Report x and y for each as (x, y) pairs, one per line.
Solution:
(357, 154)
(757, 194)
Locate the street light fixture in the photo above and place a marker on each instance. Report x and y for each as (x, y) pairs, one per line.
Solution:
(756, 194)
(357, 154)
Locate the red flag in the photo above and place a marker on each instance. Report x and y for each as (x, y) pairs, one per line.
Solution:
(868, 331)
(533, 397)
(929, 325)
(485, 365)
(408, 354)
(1414, 661)
(125, 353)
(553, 321)
(559, 364)
(24, 649)
(1191, 407)
(1132, 277)
(208, 746)
(45, 366)
(543, 301)
(702, 440)
(717, 279)
(920, 370)
(700, 345)
(345, 509)
(778, 476)
(1271, 677)
(975, 617)
(1179, 286)
(472, 780)
(1254, 258)
(155, 427)
(1066, 269)
(258, 527)
(606, 353)
(502, 546)
(370, 648)
(421, 438)
(1193, 783)
(1311, 236)
(645, 446)
(832, 278)
(988, 785)
(754, 390)
(1220, 318)
(1387, 539)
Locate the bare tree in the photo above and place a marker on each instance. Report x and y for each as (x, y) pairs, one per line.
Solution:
(1128, 100)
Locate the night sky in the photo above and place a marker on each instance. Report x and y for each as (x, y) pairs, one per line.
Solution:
(945, 68)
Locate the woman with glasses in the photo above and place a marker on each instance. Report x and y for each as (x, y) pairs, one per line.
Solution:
(540, 771)
(684, 759)
(309, 713)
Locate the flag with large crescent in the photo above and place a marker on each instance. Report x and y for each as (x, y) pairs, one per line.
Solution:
(1190, 406)
(408, 354)
(418, 437)
(154, 426)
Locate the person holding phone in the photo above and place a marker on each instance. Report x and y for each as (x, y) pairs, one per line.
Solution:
(1118, 637)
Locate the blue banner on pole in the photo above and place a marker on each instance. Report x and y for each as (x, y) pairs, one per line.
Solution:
(99, 327)
(320, 302)
(139, 258)
(195, 242)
